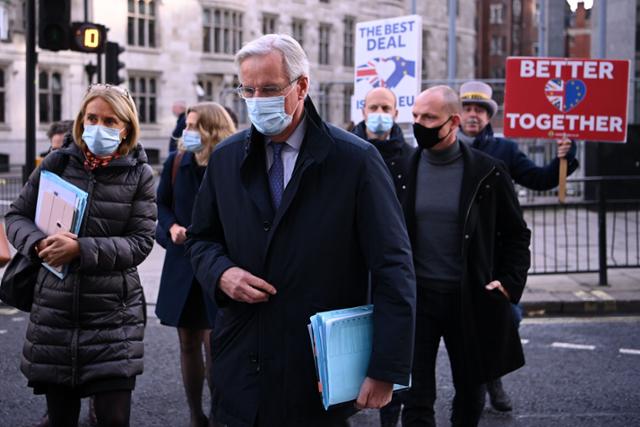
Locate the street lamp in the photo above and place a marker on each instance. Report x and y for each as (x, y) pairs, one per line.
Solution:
(573, 4)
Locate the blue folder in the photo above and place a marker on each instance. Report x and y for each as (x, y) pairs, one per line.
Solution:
(53, 189)
(342, 343)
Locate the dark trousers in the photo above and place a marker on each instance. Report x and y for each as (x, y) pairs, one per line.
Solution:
(439, 315)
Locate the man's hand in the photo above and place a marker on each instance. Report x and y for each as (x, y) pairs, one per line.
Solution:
(563, 148)
(240, 285)
(59, 249)
(374, 394)
(178, 234)
(497, 285)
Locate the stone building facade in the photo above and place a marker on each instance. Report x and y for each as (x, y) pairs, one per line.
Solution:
(183, 50)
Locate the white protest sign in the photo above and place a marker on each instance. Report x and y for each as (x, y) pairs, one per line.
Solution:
(388, 54)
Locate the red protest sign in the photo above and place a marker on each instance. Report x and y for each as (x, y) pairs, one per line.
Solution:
(565, 97)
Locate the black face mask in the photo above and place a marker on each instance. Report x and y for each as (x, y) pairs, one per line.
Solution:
(428, 137)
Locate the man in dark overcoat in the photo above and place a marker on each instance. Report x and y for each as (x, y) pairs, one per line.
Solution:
(292, 217)
(380, 129)
(471, 255)
(478, 108)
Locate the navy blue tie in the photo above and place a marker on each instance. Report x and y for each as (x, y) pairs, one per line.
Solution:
(276, 174)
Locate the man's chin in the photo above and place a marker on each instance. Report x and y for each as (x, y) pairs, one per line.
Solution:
(471, 131)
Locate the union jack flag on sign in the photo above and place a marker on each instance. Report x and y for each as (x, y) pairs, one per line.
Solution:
(554, 89)
(368, 72)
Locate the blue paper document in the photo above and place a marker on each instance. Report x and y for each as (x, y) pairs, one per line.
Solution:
(60, 207)
(342, 342)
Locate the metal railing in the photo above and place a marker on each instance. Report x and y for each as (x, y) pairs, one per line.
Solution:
(589, 234)
(586, 236)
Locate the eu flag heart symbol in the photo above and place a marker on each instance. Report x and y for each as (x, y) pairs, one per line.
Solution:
(565, 95)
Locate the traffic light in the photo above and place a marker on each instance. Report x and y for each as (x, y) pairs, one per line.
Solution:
(87, 37)
(113, 64)
(53, 24)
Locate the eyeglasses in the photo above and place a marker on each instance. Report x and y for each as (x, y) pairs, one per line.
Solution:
(106, 86)
(265, 91)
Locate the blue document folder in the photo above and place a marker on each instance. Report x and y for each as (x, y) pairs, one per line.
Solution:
(342, 342)
(60, 207)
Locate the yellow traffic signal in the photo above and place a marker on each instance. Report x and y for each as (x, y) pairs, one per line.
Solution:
(88, 37)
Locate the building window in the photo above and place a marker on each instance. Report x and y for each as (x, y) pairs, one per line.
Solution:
(497, 45)
(205, 91)
(347, 93)
(50, 96)
(222, 31)
(4, 22)
(348, 42)
(496, 15)
(144, 92)
(323, 44)
(323, 101)
(141, 23)
(3, 91)
(297, 31)
(269, 23)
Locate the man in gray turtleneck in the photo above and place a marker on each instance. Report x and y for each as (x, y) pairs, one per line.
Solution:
(470, 248)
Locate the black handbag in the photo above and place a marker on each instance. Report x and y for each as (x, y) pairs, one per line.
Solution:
(18, 282)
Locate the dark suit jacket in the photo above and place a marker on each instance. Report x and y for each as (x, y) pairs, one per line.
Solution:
(339, 219)
(395, 153)
(495, 244)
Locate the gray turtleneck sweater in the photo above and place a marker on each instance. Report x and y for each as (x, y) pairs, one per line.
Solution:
(438, 251)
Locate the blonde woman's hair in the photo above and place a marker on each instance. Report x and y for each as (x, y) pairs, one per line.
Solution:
(123, 106)
(214, 124)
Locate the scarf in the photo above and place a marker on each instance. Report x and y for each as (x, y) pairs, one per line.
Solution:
(92, 162)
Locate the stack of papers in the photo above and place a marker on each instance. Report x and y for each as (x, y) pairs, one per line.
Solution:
(342, 342)
(60, 207)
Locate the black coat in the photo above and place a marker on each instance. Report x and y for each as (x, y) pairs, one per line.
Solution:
(338, 219)
(175, 205)
(495, 245)
(395, 153)
(89, 326)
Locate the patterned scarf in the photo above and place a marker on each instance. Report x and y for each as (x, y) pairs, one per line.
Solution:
(93, 162)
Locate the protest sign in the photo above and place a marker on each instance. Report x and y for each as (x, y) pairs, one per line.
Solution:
(558, 98)
(388, 54)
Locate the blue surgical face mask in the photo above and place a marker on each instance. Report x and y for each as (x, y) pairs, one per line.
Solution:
(191, 140)
(268, 114)
(101, 140)
(379, 123)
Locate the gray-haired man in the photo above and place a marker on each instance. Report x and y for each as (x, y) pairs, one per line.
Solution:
(291, 217)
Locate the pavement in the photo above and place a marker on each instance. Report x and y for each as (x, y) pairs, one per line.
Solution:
(544, 296)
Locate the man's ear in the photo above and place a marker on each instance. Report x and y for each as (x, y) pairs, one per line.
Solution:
(456, 120)
(303, 84)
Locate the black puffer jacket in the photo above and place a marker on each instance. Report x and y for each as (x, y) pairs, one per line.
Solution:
(89, 326)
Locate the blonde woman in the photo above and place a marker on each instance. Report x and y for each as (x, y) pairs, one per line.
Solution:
(85, 331)
(182, 302)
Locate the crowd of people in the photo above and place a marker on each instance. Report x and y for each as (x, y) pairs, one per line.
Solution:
(269, 225)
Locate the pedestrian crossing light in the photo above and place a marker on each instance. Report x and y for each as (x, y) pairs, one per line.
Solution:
(53, 24)
(87, 37)
(113, 64)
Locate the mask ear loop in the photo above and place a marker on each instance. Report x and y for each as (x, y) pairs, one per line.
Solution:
(448, 133)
